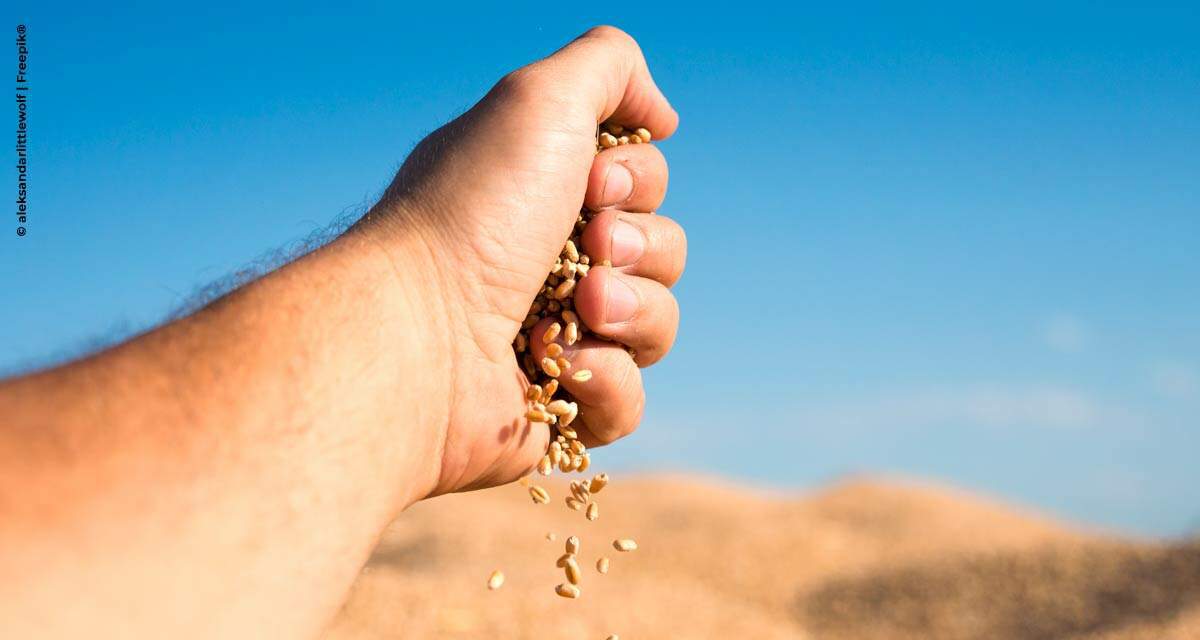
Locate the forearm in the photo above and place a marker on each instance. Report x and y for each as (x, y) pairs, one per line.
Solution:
(229, 470)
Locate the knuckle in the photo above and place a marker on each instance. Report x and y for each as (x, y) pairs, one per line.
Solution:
(609, 32)
(522, 85)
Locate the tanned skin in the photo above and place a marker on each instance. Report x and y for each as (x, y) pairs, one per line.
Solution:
(227, 474)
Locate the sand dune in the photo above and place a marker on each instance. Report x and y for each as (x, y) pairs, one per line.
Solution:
(861, 559)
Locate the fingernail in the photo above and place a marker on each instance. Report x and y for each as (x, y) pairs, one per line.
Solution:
(618, 185)
(628, 243)
(622, 300)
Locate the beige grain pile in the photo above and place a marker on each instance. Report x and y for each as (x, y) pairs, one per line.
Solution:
(857, 560)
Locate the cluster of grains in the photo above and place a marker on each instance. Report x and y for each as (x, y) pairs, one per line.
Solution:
(550, 405)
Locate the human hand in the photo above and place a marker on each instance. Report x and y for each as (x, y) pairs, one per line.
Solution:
(485, 204)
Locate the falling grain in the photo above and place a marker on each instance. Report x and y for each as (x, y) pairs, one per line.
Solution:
(539, 495)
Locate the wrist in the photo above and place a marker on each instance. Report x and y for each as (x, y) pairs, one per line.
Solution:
(413, 327)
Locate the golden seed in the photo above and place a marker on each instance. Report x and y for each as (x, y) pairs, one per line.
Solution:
(598, 482)
(551, 333)
(562, 560)
(593, 511)
(612, 637)
(572, 545)
(536, 415)
(569, 316)
(602, 564)
(520, 343)
(567, 591)
(571, 334)
(644, 134)
(559, 408)
(635, 139)
(533, 393)
(564, 463)
(550, 536)
(577, 446)
(583, 375)
(564, 289)
(623, 140)
(606, 262)
(571, 252)
(571, 568)
(496, 580)
(569, 417)
(574, 504)
(585, 461)
(530, 320)
(554, 350)
(551, 368)
(545, 466)
(625, 544)
(580, 491)
(539, 495)
(549, 388)
(567, 432)
(614, 128)
(563, 364)
(582, 270)
(607, 140)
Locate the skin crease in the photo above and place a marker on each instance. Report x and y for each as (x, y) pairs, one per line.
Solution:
(227, 475)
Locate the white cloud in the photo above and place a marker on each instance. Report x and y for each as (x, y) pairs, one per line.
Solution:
(1175, 380)
(1065, 333)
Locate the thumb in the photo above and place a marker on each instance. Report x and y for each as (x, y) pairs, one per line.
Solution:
(602, 70)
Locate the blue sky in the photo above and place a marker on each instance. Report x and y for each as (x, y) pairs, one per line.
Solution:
(947, 242)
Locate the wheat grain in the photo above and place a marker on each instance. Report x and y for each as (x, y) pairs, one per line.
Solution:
(598, 482)
(496, 580)
(555, 302)
(539, 495)
(625, 545)
(571, 568)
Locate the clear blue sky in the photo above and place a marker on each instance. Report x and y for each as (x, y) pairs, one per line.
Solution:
(949, 242)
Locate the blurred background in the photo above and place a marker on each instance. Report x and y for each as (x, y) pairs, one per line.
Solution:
(936, 241)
